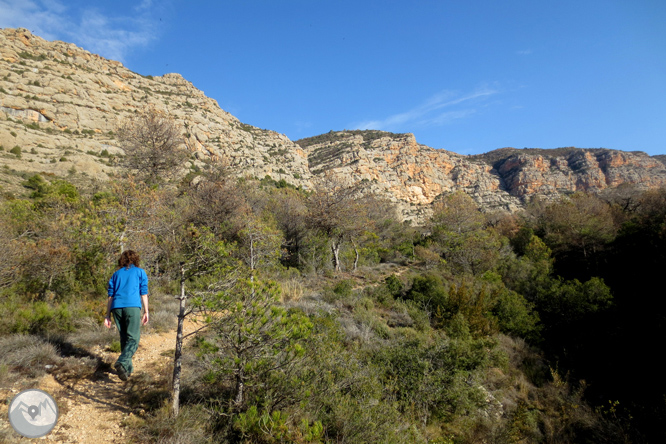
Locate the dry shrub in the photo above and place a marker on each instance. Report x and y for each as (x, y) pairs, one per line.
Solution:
(146, 392)
(311, 306)
(163, 314)
(429, 258)
(292, 290)
(357, 331)
(153, 145)
(90, 333)
(398, 316)
(537, 404)
(190, 427)
(9, 436)
(72, 369)
(27, 350)
(25, 357)
(161, 321)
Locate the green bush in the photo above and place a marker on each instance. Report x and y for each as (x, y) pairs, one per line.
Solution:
(59, 190)
(42, 318)
(515, 315)
(27, 55)
(274, 427)
(428, 291)
(16, 151)
(344, 288)
(393, 285)
(429, 377)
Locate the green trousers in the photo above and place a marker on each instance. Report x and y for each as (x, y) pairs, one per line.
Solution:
(128, 321)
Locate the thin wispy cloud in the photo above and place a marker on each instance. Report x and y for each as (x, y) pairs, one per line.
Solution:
(524, 52)
(302, 125)
(440, 109)
(112, 36)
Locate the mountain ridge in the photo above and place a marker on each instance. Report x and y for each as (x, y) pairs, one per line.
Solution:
(61, 105)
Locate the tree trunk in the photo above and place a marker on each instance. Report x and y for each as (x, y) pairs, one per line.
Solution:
(335, 249)
(238, 399)
(239, 391)
(356, 257)
(175, 388)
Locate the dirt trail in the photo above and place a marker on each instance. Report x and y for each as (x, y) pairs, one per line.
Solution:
(92, 411)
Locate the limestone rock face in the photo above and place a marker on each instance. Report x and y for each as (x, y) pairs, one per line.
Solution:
(550, 173)
(396, 166)
(56, 97)
(414, 175)
(60, 106)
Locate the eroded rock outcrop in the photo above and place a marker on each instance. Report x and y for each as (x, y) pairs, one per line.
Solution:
(57, 97)
(60, 106)
(550, 173)
(414, 175)
(396, 166)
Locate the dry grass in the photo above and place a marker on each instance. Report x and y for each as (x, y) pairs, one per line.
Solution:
(292, 290)
(163, 313)
(72, 369)
(312, 305)
(91, 333)
(190, 427)
(24, 357)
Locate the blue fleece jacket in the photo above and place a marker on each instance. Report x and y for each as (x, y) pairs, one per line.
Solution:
(126, 287)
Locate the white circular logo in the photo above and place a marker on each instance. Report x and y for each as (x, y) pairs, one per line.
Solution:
(33, 413)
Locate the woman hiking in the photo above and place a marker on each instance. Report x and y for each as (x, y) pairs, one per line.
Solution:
(128, 291)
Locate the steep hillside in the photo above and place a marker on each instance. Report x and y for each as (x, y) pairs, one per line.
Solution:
(413, 175)
(61, 105)
(558, 171)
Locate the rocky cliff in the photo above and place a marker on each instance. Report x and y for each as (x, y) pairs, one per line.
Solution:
(558, 171)
(410, 174)
(414, 175)
(60, 106)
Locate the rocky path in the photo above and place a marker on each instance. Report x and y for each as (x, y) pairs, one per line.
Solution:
(93, 410)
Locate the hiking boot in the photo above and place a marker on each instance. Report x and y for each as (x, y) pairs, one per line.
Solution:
(120, 370)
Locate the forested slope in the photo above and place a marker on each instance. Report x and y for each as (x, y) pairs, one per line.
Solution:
(476, 327)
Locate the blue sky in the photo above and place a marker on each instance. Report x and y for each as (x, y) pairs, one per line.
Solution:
(468, 76)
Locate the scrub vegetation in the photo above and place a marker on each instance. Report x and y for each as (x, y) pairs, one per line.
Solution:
(326, 320)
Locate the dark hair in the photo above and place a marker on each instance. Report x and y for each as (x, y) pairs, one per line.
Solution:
(128, 258)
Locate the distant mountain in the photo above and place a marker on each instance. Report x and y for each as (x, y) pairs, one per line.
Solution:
(60, 106)
(397, 166)
(551, 172)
